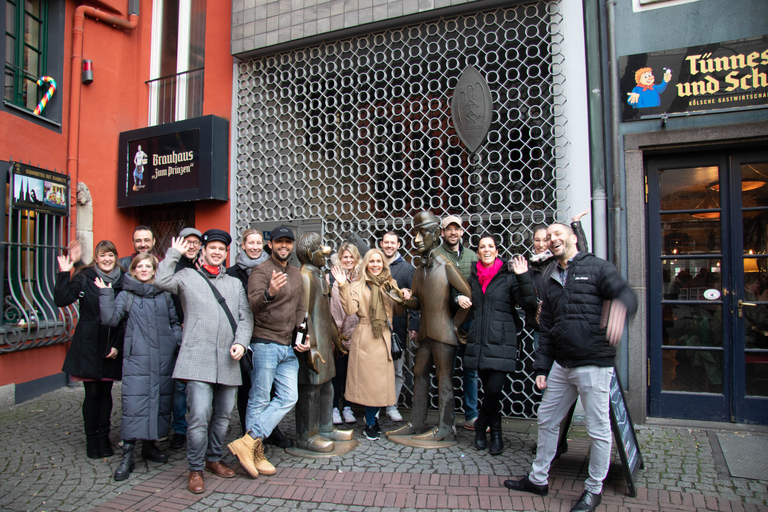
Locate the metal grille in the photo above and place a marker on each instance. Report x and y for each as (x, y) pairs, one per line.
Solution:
(358, 133)
(30, 317)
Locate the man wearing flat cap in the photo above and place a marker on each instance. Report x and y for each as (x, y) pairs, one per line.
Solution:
(211, 347)
(275, 293)
(433, 281)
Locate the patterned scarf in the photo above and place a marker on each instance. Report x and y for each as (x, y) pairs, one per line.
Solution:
(485, 274)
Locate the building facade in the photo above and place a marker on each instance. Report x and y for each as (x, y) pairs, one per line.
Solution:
(148, 67)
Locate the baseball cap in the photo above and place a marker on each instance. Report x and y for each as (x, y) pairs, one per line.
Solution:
(184, 233)
(281, 232)
(451, 219)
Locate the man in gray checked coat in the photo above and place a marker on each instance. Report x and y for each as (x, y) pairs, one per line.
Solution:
(210, 350)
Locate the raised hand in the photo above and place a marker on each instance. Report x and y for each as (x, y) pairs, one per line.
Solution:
(75, 251)
(99, 282)
(179, 244)
(279, 279)
(65, 263)
(519, 265)
(578, 216)
(339, 275)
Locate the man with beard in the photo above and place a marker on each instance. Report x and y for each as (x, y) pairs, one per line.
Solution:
(582, 319)
(406, 325)
(143, 241)
(210, 348)
(275, 293)
(464, 259)
(187, 260)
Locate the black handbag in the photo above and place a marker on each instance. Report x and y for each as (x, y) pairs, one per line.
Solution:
(397, 347)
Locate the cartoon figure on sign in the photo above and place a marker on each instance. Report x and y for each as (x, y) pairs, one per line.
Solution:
(646, 94)
(139, 159)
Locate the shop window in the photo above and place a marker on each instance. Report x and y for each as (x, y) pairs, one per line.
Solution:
(178, 60)
(30, 244)
(25, 51)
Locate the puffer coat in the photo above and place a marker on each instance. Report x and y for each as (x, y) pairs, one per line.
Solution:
(152, 333)
(492, 342)
(92, 341)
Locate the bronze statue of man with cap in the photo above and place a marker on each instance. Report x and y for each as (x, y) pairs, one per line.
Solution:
(314, 410)
(433, 280)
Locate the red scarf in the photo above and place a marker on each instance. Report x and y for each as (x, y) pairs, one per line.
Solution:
(485, 274)
(212, 270)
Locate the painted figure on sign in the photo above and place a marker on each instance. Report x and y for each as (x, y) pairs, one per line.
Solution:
(646, 94)
(139, 159)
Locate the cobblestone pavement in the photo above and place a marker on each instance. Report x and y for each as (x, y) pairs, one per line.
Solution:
(44, 468)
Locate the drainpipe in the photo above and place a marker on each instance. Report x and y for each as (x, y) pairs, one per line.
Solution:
(596, 128)
(613, 76)
(78, 30)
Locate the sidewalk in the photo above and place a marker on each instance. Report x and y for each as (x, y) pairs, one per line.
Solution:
(44, 468)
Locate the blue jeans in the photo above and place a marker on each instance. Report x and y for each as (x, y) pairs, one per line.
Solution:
(210, 406)
(469, 386)
(370, 415)
(273, 364)
(179, 423)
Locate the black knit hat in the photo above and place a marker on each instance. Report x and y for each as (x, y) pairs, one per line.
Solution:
(216, 235)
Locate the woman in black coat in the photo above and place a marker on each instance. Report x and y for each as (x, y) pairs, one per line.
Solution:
(95, 355)
(492, 343)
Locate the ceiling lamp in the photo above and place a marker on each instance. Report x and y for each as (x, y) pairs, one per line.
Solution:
(745, 185)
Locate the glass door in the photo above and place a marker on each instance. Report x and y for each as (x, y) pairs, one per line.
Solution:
(708, 286)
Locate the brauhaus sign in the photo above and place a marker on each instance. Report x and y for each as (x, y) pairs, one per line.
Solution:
(174, 162)
(713, 77)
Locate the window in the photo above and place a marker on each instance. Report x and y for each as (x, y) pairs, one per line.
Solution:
(25, 51)
(178, 60)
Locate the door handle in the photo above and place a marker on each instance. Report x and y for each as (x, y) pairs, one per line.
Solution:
(740, 303)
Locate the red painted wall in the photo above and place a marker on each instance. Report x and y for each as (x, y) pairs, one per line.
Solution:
(116, 101)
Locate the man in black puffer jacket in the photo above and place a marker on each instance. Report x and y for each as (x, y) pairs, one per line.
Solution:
(582, 319)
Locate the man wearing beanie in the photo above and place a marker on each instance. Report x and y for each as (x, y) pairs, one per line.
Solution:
(210, 350)
(275, 293)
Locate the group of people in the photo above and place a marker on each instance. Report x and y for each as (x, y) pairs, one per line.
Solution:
(185, 333)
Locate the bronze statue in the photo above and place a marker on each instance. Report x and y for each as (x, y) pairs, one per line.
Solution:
(437, 338)
(314, 410)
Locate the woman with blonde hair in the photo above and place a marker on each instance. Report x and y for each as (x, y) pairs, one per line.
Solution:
(371, 372)
(348, 260)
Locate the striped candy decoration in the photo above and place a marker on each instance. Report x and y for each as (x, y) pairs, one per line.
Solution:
(47, 96)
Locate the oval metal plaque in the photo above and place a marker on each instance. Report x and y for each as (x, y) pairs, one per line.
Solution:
(472, 108)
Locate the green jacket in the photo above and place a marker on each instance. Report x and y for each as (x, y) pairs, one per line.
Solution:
(464, 262)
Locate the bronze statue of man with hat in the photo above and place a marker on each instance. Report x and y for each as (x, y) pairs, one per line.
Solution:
(437, 340)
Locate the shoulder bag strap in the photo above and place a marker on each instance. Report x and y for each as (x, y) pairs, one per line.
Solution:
(222, 302)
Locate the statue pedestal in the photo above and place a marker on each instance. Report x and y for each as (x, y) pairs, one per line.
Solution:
(420, 443)
(339, 448)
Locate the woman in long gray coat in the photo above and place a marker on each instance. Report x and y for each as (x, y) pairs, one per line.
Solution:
(151, 337)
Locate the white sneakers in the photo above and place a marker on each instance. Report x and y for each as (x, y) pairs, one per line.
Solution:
(347, 415)
(336, 416)
(393, 414)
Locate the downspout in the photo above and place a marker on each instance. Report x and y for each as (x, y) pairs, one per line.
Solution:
(596, 129)
(78, 30)
(613, 75)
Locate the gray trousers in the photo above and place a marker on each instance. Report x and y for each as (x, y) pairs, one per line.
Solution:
(210, 406)
(592, 384)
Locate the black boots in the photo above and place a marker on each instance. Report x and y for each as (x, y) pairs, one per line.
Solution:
(481, 424)
(150, 451)
(497, 445)
(105, 447)
(127, 464)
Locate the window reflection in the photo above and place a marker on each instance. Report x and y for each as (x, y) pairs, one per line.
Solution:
(689, 279)
(689, 188)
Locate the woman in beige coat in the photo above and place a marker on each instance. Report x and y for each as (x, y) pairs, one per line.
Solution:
(371, 372)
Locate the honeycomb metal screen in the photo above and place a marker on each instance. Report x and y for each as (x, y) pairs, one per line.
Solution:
(358, 133)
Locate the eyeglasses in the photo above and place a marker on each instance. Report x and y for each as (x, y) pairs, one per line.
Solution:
(193, 244)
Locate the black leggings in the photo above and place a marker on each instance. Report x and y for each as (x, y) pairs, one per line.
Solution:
(340, 380)
(97, 405)
(493, 383)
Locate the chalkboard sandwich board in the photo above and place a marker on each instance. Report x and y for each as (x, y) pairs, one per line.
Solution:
(624, 434)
